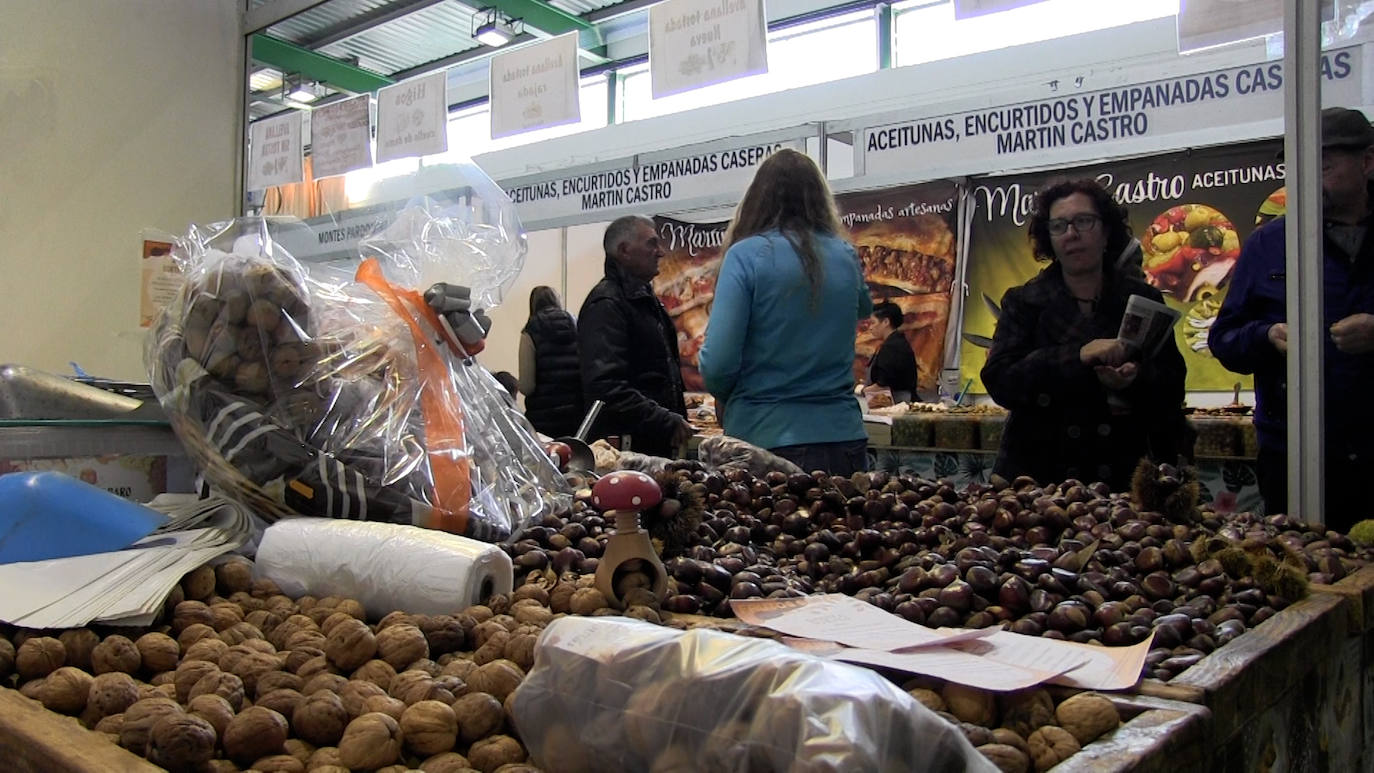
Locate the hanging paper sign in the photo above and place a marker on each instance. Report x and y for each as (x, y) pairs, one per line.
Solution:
(1205, 23)
(535, 86)
(694, 43)
(341, 137)
(274, 152)
(964, 9)
(412, 118)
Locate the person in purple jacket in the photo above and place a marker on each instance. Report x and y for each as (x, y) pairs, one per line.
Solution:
(1250, 334)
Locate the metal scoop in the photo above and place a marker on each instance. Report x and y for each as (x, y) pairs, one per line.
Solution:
(581, 457)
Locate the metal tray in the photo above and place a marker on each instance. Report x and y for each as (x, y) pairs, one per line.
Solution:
(26, 393)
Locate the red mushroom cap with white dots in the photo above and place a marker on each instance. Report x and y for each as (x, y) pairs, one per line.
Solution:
(626, 490)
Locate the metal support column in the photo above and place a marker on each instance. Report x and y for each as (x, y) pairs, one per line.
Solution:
(1306, 332)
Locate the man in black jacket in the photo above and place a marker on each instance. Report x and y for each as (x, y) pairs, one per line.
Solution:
(894, 366)
(629, 346)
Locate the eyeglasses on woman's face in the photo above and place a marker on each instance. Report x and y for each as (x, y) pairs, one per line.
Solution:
(1081, 224)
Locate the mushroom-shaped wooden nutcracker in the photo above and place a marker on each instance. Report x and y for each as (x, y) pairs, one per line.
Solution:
(629, 560)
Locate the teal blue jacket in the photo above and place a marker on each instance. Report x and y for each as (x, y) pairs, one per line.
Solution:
(783, 368)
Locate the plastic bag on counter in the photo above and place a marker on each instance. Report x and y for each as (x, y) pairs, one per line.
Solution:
(610, 693)
(725, 452)
(308, 393)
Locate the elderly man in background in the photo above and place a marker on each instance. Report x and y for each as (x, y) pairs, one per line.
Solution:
(628, 346)
(1250, 334)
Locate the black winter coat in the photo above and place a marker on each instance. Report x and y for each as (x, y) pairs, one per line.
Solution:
(1061, 424)
(630, 360)
(555, 405)
(894, 366)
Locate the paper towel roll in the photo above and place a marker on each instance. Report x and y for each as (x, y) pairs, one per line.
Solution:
(386, 566)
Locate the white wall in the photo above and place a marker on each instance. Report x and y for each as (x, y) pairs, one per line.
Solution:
(115, 115)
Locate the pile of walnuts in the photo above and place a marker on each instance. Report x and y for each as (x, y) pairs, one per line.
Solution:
(1019, 731)
(242, 677)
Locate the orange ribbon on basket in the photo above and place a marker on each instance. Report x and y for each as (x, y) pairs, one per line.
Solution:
(439, 403)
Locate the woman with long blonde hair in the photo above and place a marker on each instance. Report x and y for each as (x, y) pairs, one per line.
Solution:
(779, 350)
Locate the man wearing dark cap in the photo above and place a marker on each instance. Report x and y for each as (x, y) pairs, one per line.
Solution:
(1250, 334)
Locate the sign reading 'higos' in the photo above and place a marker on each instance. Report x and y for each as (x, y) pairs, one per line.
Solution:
(694, 43)
(412, 118)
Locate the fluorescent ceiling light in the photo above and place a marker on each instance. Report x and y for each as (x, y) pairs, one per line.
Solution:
(495, 30)
(302, 93)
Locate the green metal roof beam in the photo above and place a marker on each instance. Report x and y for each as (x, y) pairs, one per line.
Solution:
(550, 19)
(291, 58)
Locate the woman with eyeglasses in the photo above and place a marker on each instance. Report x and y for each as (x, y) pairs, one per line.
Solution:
(1082, 404)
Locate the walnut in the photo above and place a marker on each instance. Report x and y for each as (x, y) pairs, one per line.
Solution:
(199, 583)
(180, 741)
(300, 656)
(352, 607)
(532, 591)
(240, 633)
(498, 678)
(455, 686)
(39, 656)
(355, 695)
(254, 732)
(110, 725)
(318, 682)
(110, 693)
(188, 613)
(491, 753)
(263, 619)
(645, 613)
(1010, 737)
(970, 704)
(276, 680)
(213, 709)
(405, 680)
(6, 658)
(255, 645)
(252, 666)
(323, 756)
(446, 762)
(386, 705)
(210, 650)
(164, 677)
(78, 644)
(459, 667)
(225, 614)
(371, 741)
(306, 639)
(350, 644)
(1050, 746)
(426, 665)
(223, 684)
(195, 632)
(219, 766)
(494, 647)
(424, 690)
(531, 613)
(314, 666)
(507, 622)
(1008, 759)
(265, 588)
(1025, 710)
(283, 701)
(499, 603)
(188, 674)
(1087, 716)
(116, 653)
(928, 698)
(378, 672)
(320, 718)
(560, 598)
(587, 601)
(234, 576)
(479, 715)
(139, 720)
(301, 750)
(520, 650)
(429, 727)
(65, 690)
(394, 618)
(158, 652)
(480, 613)
(279, 763)
(444, 634)
(401, 644)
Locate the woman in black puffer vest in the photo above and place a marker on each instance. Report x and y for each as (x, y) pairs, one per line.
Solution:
(550, 376)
